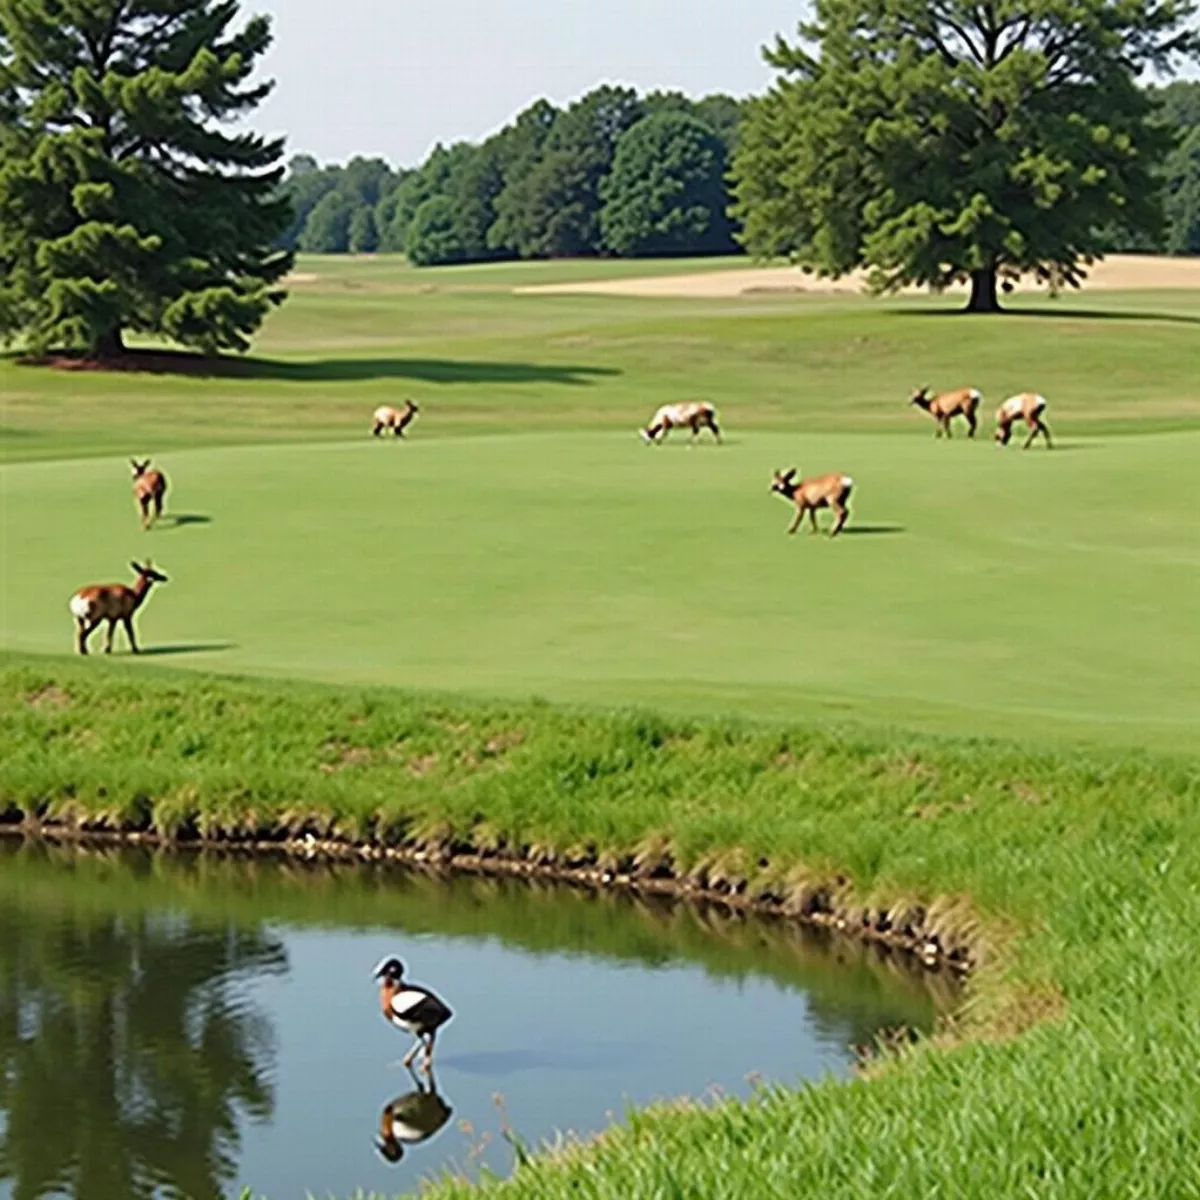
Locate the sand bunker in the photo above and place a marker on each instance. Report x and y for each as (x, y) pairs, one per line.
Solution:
(1121, 271)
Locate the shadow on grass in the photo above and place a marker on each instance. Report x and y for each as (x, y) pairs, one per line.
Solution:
(186, 648)
(1063, 314)
(179, 520)
(325, 370)
(858, 530)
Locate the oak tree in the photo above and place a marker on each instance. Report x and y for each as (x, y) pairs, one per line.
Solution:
(944, 141)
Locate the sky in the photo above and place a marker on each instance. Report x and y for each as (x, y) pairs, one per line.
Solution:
(393, 77)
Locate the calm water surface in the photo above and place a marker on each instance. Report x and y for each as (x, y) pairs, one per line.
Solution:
(185, 1026)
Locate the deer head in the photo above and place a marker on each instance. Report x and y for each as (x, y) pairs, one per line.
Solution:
(148, 573)
(139, 468)
(784, 482)
(920, 398)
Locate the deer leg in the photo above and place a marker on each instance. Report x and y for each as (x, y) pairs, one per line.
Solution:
(796, 519)
(144, 505)
(158, 505)
(1046, 434)
(128, 623)
(715, 431)
(83, 630)
(946, 426)
(812, 520)
(108, 639)
(842, 513)
(971, 424)
(1033, 432)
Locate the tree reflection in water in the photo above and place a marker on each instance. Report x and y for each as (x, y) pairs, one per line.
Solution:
(127, 1055)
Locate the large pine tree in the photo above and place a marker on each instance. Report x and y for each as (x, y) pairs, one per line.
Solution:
(124, 205)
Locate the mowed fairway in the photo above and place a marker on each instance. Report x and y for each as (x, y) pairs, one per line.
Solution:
(976, 590)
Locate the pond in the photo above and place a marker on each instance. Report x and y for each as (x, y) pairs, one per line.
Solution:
(186, 1025)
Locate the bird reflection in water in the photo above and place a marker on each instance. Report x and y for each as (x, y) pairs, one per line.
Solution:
(411, 1119)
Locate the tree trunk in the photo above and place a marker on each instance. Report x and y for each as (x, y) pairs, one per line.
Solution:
(983, 291)
(109, 344)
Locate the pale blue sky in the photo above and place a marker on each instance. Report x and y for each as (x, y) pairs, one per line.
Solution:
(392, 77)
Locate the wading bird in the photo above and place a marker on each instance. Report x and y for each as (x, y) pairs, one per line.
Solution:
(414, 1009)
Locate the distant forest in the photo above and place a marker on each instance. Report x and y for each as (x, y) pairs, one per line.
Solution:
(613, 174)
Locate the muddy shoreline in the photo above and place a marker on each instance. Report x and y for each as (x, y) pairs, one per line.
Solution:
(938, 940)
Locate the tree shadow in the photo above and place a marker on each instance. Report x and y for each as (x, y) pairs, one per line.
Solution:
(179, 520)
(326, 370)
(186, 648)
(872, 529)
(1039, 312)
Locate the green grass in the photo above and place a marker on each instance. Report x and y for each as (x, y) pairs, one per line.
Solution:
(1080, 868)
(524, 544)
(977, 590)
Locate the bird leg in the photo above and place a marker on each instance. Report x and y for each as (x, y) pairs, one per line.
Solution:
(408, 1058)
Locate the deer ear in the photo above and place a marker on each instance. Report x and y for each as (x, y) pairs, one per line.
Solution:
(136, 567)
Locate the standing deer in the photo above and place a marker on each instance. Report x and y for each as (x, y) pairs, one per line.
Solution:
(395, 419)
(1027, 407)
(945, 405)
(149, 488)
(112, 602)
(821, 491)
(695, 414)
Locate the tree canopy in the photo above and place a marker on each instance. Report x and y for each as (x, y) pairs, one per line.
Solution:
(535, 189)
(666, 191)
(958, 140)
(124, 206)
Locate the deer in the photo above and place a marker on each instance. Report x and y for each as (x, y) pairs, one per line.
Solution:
(149, 488)
(1027, 407)
(945, 405)
(395, 419)
(821, 491)
(112, 602)
(696, 414)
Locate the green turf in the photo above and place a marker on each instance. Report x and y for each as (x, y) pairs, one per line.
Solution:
(976, 589)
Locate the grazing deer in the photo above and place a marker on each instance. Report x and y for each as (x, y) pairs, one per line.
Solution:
(395, 419)
(821, 491)
(149, 487)
(960, 403)
(695, 414)
(112, 602)
(1027, 407)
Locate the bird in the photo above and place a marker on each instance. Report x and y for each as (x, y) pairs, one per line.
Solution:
(414, 1009)
(411, 1119)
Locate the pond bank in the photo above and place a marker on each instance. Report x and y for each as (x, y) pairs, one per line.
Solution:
(1069, 875)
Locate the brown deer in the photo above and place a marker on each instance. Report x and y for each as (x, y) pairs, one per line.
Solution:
(149, 488)
(695, 414)
(945, 405)
(112, 602)
(821, 491)
(1027, 407)
(395, 419)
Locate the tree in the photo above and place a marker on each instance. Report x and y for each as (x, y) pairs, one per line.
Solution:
(304, 187)
(666, 191)
(363, 236)
(959, 140)
(433, 235)
(1181, 199)
(553, 211)
(327, 230)
(123, 204)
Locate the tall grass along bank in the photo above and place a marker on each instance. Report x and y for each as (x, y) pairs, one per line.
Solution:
(1067, 877)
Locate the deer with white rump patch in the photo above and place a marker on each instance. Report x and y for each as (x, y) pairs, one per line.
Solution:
(395, 419)
(1027, 407)
(821, 491)
(149, 488)
(112, 602)
(695, 414)
(962, 402)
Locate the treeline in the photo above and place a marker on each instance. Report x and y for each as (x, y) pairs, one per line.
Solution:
(614, 173)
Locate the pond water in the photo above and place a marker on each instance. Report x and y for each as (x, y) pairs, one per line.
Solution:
(186, 1025)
